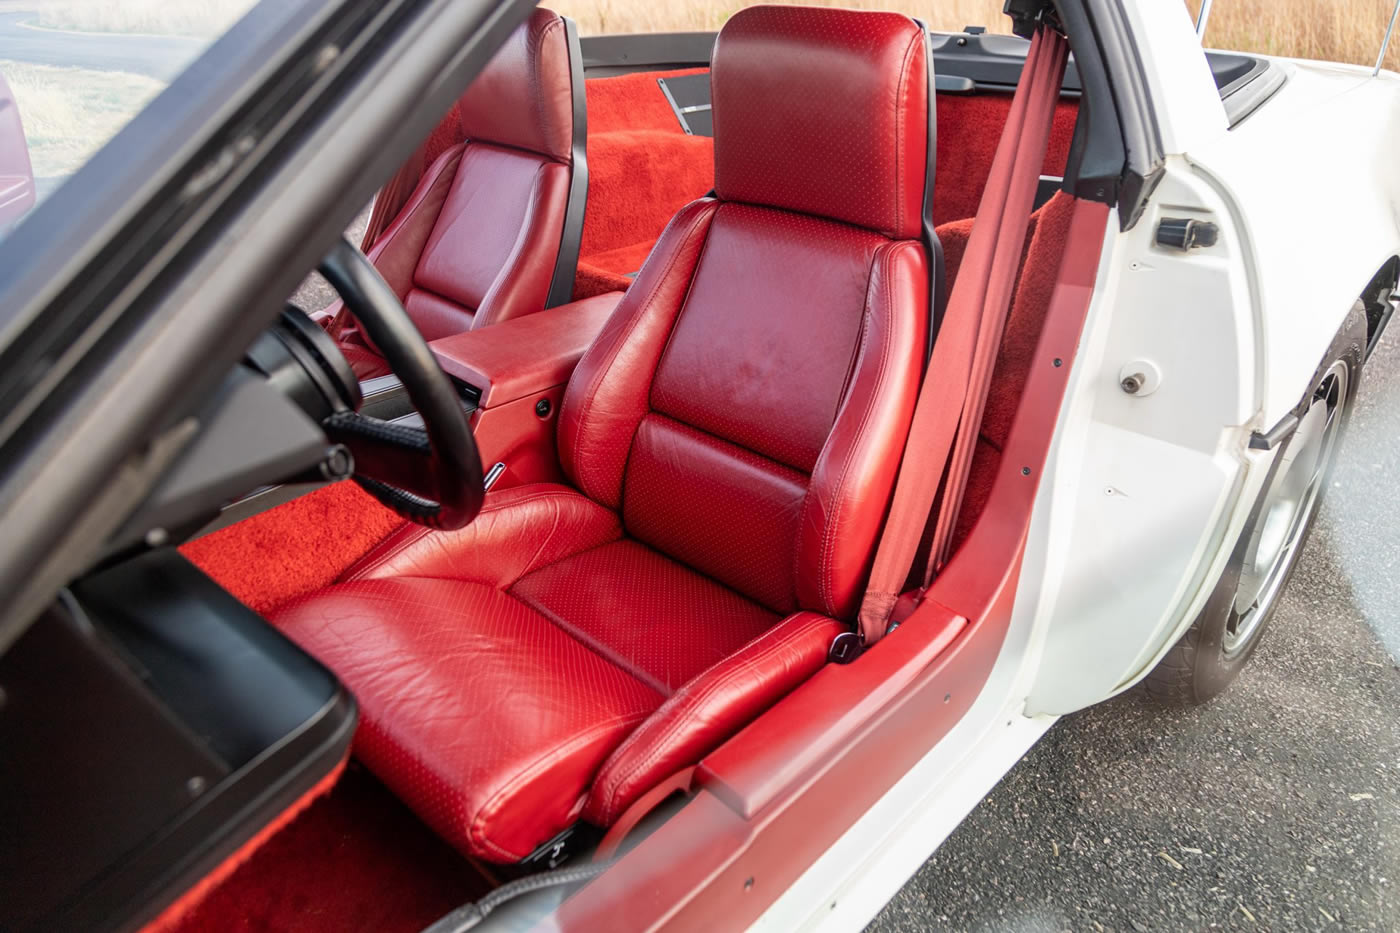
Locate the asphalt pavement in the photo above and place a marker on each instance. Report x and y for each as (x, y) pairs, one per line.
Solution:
(1276, 807)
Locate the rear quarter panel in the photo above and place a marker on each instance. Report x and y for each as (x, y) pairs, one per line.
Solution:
(1315, 182)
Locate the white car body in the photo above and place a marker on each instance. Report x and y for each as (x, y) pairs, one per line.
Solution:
(1144, 492)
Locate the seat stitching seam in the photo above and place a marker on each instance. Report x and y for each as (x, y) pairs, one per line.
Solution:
(595, 645)
(900, 96)
(534, 53)
(422, 532)
(796, 471)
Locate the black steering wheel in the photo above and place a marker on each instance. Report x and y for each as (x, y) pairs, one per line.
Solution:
(432, 475)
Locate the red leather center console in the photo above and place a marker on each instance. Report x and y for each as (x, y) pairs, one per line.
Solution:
(521, 367)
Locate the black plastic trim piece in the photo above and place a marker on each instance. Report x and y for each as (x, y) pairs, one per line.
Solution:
(1141, 144)
(1046, 189)
(695, 118)
(938, 276)
(1379, 299)
(1027, 15)
(561, 286)
(1244, 97)
(384, 397)
(1275, 435)
(1186, 233)
(271, 719)
(620, 54)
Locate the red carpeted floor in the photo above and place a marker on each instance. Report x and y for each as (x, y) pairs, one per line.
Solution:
(295, 548)
(356, 861)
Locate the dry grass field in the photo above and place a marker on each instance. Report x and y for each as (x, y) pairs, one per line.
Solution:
(1334, 30)
(69, 113)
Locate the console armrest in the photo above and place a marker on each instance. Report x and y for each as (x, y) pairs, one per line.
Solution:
(515, 358)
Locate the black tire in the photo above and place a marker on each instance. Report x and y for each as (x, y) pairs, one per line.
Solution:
(1213, 651)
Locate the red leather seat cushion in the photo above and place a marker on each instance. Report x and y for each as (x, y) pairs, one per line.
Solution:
(499, 666)
(528, 745)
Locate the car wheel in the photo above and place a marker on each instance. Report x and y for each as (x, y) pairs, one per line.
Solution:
(1216, 646)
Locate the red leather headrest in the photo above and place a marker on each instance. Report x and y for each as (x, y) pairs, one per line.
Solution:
(824, 112)
(524, 97)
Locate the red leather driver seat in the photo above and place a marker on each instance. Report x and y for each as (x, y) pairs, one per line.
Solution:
(732, 439)
(479, 240)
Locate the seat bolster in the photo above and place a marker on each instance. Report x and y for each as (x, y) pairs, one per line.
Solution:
(610, 390)
(395, 254)
(854, 476)
(519, 530)
(522, 286)
(709, 709)
(524, 97)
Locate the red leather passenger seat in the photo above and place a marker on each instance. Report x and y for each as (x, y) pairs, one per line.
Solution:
(478, 241)
(731, 441)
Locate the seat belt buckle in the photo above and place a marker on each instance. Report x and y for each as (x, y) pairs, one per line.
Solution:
(845, 648)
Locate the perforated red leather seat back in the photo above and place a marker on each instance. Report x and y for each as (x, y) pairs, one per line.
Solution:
(745, 407)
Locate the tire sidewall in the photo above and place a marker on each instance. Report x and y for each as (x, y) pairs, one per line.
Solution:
(1212, 670)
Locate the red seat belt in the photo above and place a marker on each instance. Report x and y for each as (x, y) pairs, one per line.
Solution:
(948, 413)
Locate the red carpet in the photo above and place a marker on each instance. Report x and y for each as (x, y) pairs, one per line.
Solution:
(969, 129)
(642, 169)
(295, 548)
(356, 861)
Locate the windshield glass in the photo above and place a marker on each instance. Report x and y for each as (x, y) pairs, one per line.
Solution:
(74, 72)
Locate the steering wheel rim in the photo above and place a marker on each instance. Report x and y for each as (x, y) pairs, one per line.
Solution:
(432, 477)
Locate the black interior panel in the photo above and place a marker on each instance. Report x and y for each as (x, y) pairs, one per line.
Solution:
(151, 724)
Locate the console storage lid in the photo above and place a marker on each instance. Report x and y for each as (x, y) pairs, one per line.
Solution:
(524, 355)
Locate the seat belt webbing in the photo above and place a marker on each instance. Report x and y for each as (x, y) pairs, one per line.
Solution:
(948, 412)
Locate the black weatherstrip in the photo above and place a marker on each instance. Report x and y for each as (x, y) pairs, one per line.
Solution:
(561, 287)
(938, 285)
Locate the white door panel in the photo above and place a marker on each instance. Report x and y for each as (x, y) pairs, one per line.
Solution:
(1147, 487)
